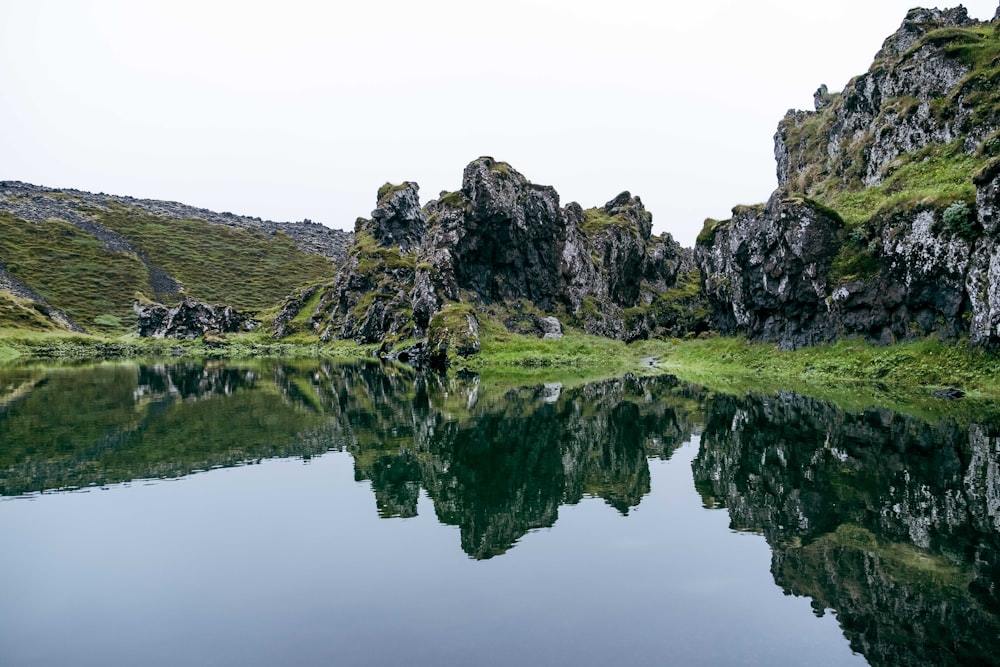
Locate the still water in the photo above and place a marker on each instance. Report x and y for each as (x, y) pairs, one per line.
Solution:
(312, 514)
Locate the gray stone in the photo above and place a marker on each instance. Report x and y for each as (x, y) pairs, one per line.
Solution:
(551, 328)
(190, 319)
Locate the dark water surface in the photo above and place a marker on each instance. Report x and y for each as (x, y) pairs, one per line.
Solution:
(311, 514)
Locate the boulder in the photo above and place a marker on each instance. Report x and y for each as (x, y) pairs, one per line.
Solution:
(190, 319)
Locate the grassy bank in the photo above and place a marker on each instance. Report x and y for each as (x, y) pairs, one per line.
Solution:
(846, 371)
(852, 374)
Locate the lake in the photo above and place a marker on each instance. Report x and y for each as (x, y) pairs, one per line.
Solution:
(322, 514)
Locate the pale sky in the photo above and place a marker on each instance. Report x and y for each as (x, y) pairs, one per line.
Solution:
(291, 110)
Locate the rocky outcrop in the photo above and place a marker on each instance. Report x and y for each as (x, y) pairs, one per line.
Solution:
(500, 247)
(917, 258)
(189, 320)
(916, 93)
(370, 299)
(788, 273)
(766, 271)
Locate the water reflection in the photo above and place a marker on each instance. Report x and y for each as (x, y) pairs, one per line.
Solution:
(888, 519)
(893, 521)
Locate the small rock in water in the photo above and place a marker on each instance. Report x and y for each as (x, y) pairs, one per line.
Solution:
(949, 394)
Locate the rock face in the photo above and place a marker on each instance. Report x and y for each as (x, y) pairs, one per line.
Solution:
(766, 272)
(897, 107)
(983, 278)
(500, 245)
(191, 319)
(918, 257)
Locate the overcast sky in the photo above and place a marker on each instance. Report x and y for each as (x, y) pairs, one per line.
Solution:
(291, 110)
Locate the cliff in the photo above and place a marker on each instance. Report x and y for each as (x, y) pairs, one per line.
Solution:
(884, 223)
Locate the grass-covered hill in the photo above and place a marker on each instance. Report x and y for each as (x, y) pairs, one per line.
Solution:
(76, 260)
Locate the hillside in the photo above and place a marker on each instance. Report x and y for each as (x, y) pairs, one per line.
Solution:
(77, 260)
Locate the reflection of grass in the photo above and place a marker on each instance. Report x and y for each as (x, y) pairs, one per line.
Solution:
(904, 562)
(49, 442)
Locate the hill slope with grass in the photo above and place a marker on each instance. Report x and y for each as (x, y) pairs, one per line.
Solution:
(886, 219)
(76, 260)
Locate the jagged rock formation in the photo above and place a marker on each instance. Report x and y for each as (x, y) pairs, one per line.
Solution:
(908, 248)
(38, 204)
(781, 268)
(190, 319)
(502, 247)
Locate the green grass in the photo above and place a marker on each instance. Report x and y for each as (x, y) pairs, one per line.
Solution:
(935, 177)
(570, 359)
(72, 271)
(217, 264)
(17, 315)
(850, 373)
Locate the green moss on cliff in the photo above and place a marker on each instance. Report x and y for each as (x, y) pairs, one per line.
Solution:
(387, 189)
(932, 178)
(453, 199)
(375, 259)
(597, 220)
(707, 234)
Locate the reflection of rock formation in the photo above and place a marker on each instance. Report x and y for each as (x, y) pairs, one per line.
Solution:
(192, 380)
(499, 468)
(496, 464)
(891, 521)
(114, 423)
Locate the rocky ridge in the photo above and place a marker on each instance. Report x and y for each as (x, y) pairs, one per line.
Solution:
(38, 204)
(884, 223)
